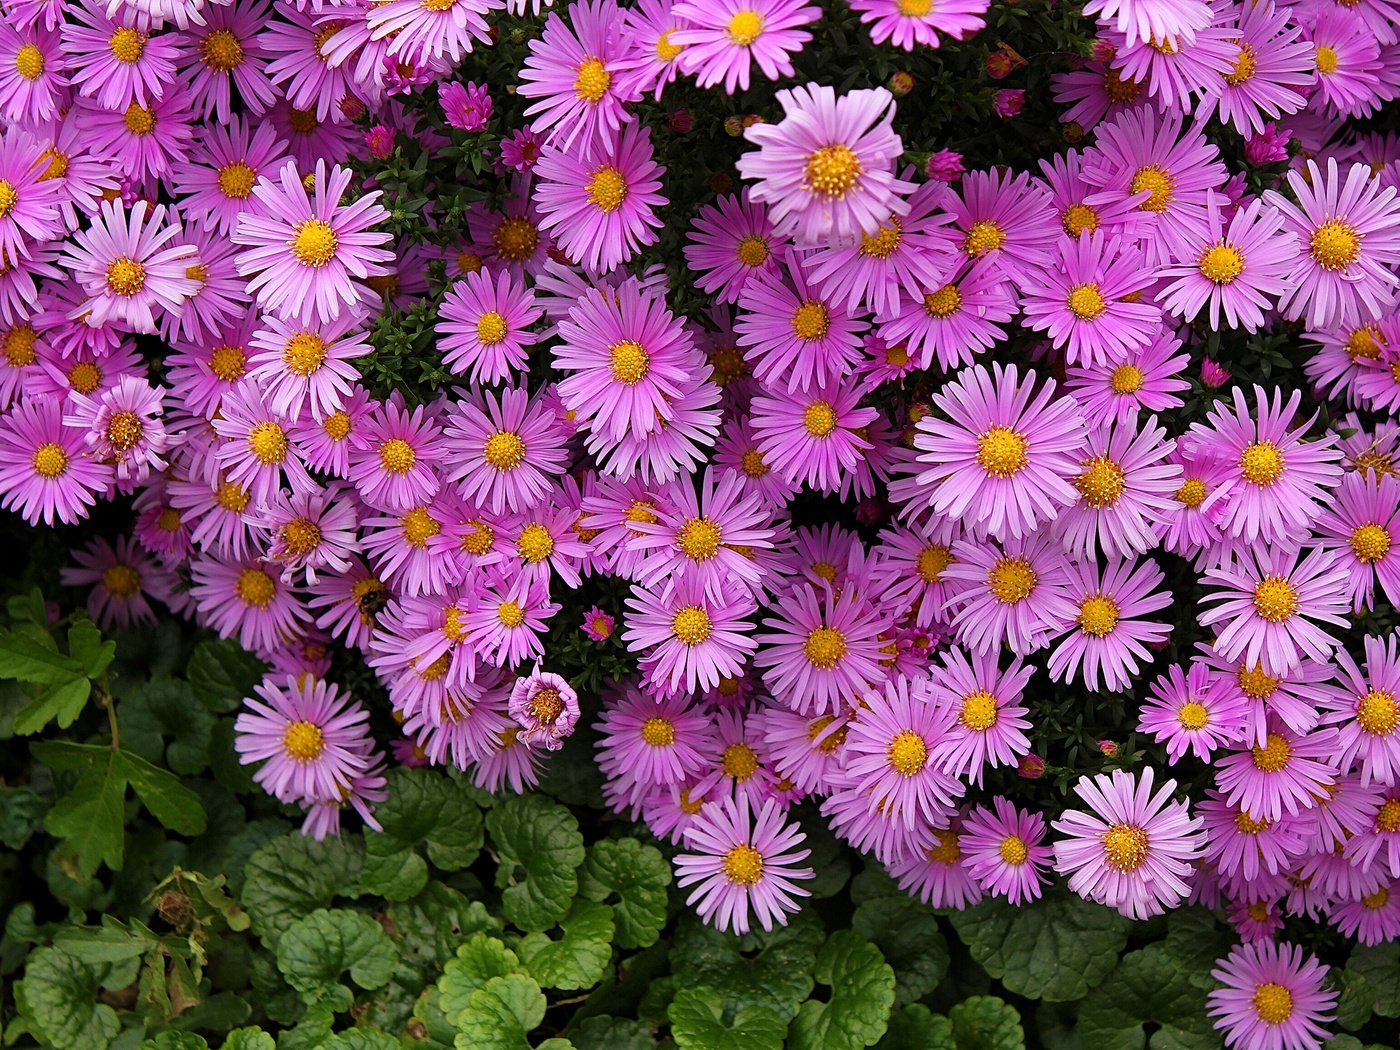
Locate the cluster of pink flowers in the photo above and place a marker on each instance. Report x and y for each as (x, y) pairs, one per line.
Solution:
(174, 189)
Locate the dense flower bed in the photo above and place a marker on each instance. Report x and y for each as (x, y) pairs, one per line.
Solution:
(967, 433)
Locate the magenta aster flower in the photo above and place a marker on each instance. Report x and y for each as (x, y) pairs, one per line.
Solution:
(690, 636)
(920, 23)
(653, 741)
(1176, 72)
(1001, 462)
(1362, 525)
(723, 39)
(1148, 20)
(1272, 71)
(1348, 230)
(312, 530)
(122, 577)
(311, 737)
(1287, 773)
(306, 363)
(484, 326)
(1015, 594)
(1346, 57)
(1147, 378)
(32, 75)
(423, 34)
(504, 449)
(123, 426)
(1267, 602)
(1273, 997)
(257, 448)
(1002, 850)
(811, 438)
(1183, 711)
(730, 242)
(826, 170)
(651, 63)
(1005, 218)
(546, 707)
(228, 55)
(241, 598)
(1366, 710)
(29, 202)
(937, 875)
(45, 473)
(224, 167)
(600, 201)
(1134, 850)
(1237, 844)
(954, 319)
(1108, 637)
(1373, 918)
(303, 253)
(743, 866)
(990, 725)
(116, 62)
(510, 618)
(598, 625)
(394, 459)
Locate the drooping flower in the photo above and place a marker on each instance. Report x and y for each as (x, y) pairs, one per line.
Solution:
(546, 707)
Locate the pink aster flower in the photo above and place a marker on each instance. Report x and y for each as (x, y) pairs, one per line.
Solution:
(990, 724)
(312, 530)
(1273, 68)
(690, 637)
(504, 449)
(306, 364)
(1267, 602)
(30, 214)
(1273, 997)
(114, 61)
(1362, 524)
(1002, 850)
(241, 599)
(600, 201)
(224, 167)
(954, 319)
(653, 741)
(394, 459)
(45, 473)
(484, 326)
(1287, 773)
(826, 170)
(546, 708)
(129, 269)
(421, 34)
(743, 865)
(1240, 845)
(303, 253)
(123, 577)
(1152, 19)
(1095, 92)
(1178, 71)
(722, 40)
(937, 875)
(1002, 460)
(1135, 849)
(123, 426)
(1348, 230)
(521, 149)
(1108, 636)
(1148, 378)
(651, 64)
(257, 448)
(32, 75)
(1346, 56)
(793, 335)
(311, 737)
(1003, 217)
(151, 140)
(920, 23)
(1183, 711)
(466, 107)
(811, 438)
(598, 625)
(1087, 301)
(1366, 710)
(731, 242)
(1373, 918)
(1015, 594)
(227, 56)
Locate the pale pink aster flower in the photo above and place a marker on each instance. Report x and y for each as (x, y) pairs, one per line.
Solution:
(722, 39)
(257, 448)
(1015, 594)
(33, 80)
(1365, 709)
(1094, 93)
(953, 320)
(306, 364)
(504, 449)
(1287, 773)
(811, 438)
(312, 530)
(1152, 19)
(920, 23)
(1108, 637)
(1362, 523)
(730, 242)
(1346, 56)
(1004, 217)
(123, 426)
(115, 61)
(241, 598)
(122, 577)
(1272, 71)
(1184, 712)
(431, 33)
(1117, 391)
(1176, 71)
(990, 725)
(546, 708)
(1002, 850)
(690, 636)
(937, 875)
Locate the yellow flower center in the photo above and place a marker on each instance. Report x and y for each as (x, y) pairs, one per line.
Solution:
(236, 180)
(1192, 493)
(1248, 825)
(943, 303)
(692, 625)
(1262, 463)
(1388, 817)
(1118, 89)
(752, 250)
(642, 511)
(630, 362)
(1079, 218)
(396, 456)
(1246, 62)
(1376, 901)
(1001, 451)
(491, 328)
(516, 239)
(1125, 847)
(535, 543)
(303, 741)
(824, 648)
(753, 465)
(127, 45)
(1159, 181)
(57, 164)
(84, 377)
(1377, 713)
(744, 28)
(1336, 245)
(1101, 483)
(1013, 850)
(228, 362)
(1098, 615)
(607, 188)
(1365, 343)
(931, 561)
(301, 535)
(125, 277)
(419, 526)
(947, 851)
(1273, 1003)
(658, 732)
(983, 237)
(592, 81)
(29, 62)
(699, 539)
(315, 243)
(979, 711)
(883, 244)
(504, 450)
(139, 120)
(168, 520)
(1193, 715)
(337, 426)
(255, 588)
(1274, 755)
(124, 431)
(897, 355)
(833, 171)
(907, 753)
(231, 497)
(304, 353)
(1275, 599)
(1086, 302)
(1370, 543)
(547, 705)
(50, 460)
(811, 321)
(18, 345)
(268, 442)
(739, 762)
(1011, 580)
(743, 865)
(1221, 263)
(221, 51)
(1127, 379)
(1326, 61)
(121, 581)
(665, 50)
(480, 539)
(819, 419)
(510, 614)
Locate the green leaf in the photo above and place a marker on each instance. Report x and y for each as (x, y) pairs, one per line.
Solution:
(1147, 988)
(909, 939)
(28, 653)
(862, 992)
(1380, 966)
(632, 877)
(538, 840)
(316, 950)
(500, 1013)
(222, 674)
(21, 812)
(113, 941)
(432, 925)
(61, 702)
(164, 709)
(697, 1020)
(290, 876)
(916, 1027)
(175, 1041)
(1356, 1001)
(396, 876)
(361, 1039)
(92, 815)
(248, 1039)
(477, 961)
(602, 1032)
(985, 1022)
(1056, 948)
(778, 977)
(580, 957)
(1195, 940)
(170, 802)
(58, 997)
(87, 649)
(426, 807)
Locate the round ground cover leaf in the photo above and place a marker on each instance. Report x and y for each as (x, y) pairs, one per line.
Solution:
(540, 850)
(316, 950)
(361, 1039)
(632, 877)
(248, 1039)
(916, 1027)
(500, 1013)
(477, 961)
(1380, 965)
(430, 927)
(602, 1032)
(698, 1020)
(1056, 948)
(1196, 940)
(580, 957)
(862, 992)
(777, 976)
(909, 939)
(58, 999)
(1148, 987)
(291, 876)
(985, 1022)
(425, 807)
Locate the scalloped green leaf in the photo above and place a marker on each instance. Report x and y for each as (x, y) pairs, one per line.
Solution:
(500, 1014)
(909, 939)
(361, 1039)
(986, 1022)
(426, 808)
(248, 1039)
(580, 957)
(1380, 966)
(58, 998)
(602, 1032)
(290, 876)
(476, 962)
(1148, 988)
(916, 1027)
(772, 970)
(540, 850)
(316, 949)
(862, 993)
(632, 877)
(698, 1021)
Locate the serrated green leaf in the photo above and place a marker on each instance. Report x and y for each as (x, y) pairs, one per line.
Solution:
(92, 815)
(175, 1041)
(248, 1039)
(500, 1014)
(697, 1020)
(61, 702)
(1380, 966)
(361, 1039)
(985, 1022)
(87, 649)
(1056, 948)
(28, 653)
(395, 876)
(170, 802)
(540, 850)
(58, 997)
(21, 813)
(431, 926)
(916, 1027)
(1147, 988)
(291, 875)
(1196, 940)
(476, 962)
(862, 992)
(1355, 1001)
(222, 674)
(579, 958)
(777, 976)
(602, 1032)
(909, 939)
(632, 877)
(317, 949)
